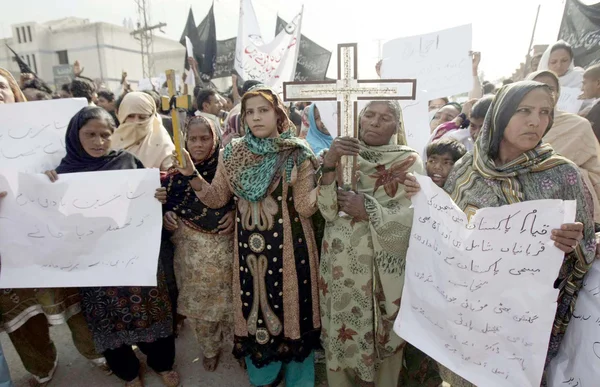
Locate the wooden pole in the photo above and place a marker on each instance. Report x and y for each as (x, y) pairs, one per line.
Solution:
(528, 57)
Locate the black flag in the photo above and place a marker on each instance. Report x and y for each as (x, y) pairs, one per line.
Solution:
(580, 27)
(23, 67)
(207, 37)
(313, 60)
(191, 32)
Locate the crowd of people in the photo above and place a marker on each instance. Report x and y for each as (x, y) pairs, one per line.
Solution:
(263, 250)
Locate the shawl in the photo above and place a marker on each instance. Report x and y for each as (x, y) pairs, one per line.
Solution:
(574, 75)
(382, 173)
(14, 86)
(253, 163)
(182, 199)
(572, 137)
(476, 182)
(149, 141)
(317, 140)
(78, 160)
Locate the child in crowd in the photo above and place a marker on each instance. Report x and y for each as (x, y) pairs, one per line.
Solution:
(591, 90)
(441, 156)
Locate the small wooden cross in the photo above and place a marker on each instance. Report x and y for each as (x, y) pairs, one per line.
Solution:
(347, 90)
(174, 102)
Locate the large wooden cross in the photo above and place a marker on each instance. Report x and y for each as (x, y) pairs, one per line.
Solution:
(173, 103)
(347, 90)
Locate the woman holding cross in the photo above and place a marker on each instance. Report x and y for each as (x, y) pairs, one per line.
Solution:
(364, 250)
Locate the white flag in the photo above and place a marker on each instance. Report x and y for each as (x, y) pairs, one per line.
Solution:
(190, 79)
(272, 63)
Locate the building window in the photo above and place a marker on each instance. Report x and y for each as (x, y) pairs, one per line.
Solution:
(28, 61)
(29, 33)
(63, 57)
(23, 32)
(19, 35)
(34, 63)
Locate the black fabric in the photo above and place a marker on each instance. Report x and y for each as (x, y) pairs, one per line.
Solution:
(78, 160)
(313, 60)
(204, 40)
(580, 27)
(278, 348)
(23, 67)
(183, 201)
(166, 258)
(125, 364)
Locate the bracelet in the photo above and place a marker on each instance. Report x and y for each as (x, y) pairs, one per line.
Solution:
(325, 169)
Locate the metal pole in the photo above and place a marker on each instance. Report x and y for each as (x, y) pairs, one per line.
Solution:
(528, 57)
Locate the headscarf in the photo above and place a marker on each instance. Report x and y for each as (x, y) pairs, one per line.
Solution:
(149, 141)
(480, 165)
(78, 160)
(14, 86)
(254, 163)
(547, 73)
(182, 199)
(574, 75)
(317, 140)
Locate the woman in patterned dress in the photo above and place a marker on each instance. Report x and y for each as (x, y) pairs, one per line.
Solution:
(271, 174)
(364, 251)
(120, 317)
(203, 240)
(510, 164)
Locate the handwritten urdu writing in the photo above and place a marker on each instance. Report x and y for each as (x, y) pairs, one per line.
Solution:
(578, 361)
(439, 61)
(32, 136)
(86, 229)
(479, 295)
(569, 101)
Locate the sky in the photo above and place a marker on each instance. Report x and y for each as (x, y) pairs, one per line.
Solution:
(501, 29)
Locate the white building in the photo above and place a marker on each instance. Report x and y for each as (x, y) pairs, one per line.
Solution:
(104, 50)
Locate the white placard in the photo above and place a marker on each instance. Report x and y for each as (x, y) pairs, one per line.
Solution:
(32, 134)
(416, 122)
(479, 295)
(86, 229)
(568, 100)
(439, 61)
(578, 361)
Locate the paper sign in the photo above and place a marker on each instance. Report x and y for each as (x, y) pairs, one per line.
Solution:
(568, 100)
(439, 61)
(416, 122)
(479, 295)
(578, 361)
(32, 136)
(86, 229)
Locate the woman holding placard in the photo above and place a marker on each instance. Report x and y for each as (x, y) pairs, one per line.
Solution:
(510, 164)
(144, 316)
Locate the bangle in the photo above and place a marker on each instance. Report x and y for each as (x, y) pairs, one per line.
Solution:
(325, 169)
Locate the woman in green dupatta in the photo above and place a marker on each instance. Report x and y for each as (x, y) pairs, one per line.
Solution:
(510, 164)
(271, 174)
(364, 250)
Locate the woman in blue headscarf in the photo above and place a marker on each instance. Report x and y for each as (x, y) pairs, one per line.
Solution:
(314, 131)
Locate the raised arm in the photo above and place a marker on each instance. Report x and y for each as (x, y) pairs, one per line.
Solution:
(305, 203)
(216, 194)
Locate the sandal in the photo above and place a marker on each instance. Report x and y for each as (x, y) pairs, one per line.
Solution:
(211, 363)
(170, 378)
(137, 382)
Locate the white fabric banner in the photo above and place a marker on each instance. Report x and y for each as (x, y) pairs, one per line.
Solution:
(86, 229)
(32, 134)
(479, 295)
(578, 361)
(440, 61)
(271, 63)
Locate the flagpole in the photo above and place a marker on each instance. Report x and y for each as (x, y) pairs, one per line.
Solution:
(298, 42)
(528, 57)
